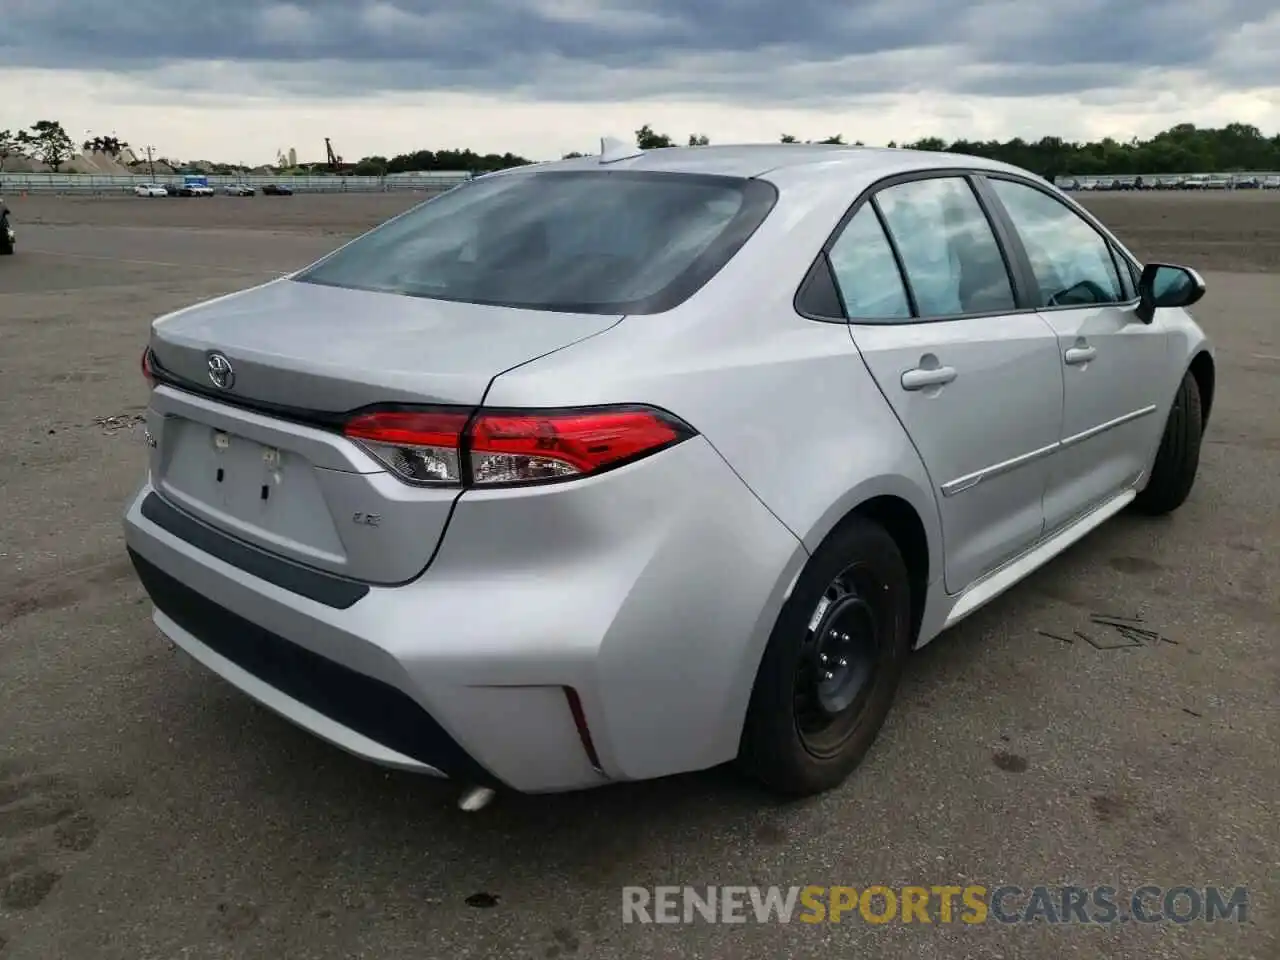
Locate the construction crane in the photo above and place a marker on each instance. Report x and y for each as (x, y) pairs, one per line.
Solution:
(334, 161)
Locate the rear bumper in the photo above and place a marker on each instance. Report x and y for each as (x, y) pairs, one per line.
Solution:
(650, 597)
(349, 709)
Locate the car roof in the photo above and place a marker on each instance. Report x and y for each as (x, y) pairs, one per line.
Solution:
(756, 160)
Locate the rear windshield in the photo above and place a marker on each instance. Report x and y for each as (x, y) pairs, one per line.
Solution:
(616, 241)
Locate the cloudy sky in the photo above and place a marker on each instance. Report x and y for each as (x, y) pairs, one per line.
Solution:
(238, 80)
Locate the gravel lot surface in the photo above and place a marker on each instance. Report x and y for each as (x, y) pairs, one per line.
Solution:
(149, 811)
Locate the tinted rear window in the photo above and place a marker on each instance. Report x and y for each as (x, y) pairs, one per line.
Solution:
(573, 241)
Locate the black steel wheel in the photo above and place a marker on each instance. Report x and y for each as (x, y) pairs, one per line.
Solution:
(839, 658)
(833, 663)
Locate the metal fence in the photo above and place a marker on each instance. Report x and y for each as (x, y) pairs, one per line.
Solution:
(94, 184)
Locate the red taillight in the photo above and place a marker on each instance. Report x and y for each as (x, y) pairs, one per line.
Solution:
(528, 447)
(421, 446)
(501, 448)
(147, 373)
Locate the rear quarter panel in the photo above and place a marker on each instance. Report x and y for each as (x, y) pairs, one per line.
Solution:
(786, 403)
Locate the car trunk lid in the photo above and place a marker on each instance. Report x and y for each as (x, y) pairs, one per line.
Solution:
(329, 349)
(262, 458)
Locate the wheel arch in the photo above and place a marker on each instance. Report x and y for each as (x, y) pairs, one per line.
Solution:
(1202, 367)
(906, 513)
(900, 520)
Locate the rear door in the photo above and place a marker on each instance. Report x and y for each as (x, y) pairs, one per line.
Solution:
(1113, 364)
(976, 383)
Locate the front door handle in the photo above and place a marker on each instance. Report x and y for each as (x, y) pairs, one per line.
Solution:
(1078, 355)
(922, 377)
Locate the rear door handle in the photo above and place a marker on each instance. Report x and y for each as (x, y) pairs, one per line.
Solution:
(922, 377)
(1078, 355)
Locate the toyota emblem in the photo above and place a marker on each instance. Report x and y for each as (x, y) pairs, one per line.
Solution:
(221, 374)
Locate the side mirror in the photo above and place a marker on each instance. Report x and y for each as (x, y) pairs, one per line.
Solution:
(1167, 285)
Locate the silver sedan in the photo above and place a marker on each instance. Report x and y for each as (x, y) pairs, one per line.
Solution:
(634, 464)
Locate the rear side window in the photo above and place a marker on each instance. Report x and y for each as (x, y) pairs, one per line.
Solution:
(1072, 262)
(572, 241)
(866, 272)
(951, 256)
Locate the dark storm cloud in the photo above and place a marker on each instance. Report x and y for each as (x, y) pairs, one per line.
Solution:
(753, 50)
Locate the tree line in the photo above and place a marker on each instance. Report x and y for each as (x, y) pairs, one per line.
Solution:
(1184, 148)
(438, 160)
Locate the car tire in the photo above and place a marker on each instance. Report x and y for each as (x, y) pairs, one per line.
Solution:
(798, 740)
(1174, 471)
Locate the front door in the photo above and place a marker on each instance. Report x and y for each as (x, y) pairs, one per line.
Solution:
(1112, 362)
(977, 386)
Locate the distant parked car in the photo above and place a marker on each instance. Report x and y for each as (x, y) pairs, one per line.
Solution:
(1271, 183)
(200, 190)
(178, 190)
(150, 190)
(238, 190)
(277, 190)
(8, 236)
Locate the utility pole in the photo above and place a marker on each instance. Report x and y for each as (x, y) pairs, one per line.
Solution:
(151, 164)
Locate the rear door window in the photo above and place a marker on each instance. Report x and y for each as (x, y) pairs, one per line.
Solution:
(866, 272)
(952, 259)
(572, 241)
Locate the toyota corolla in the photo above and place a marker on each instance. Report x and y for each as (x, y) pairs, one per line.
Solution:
(629, 465)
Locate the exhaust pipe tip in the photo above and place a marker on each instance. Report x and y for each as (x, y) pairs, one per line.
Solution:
(475, 799)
